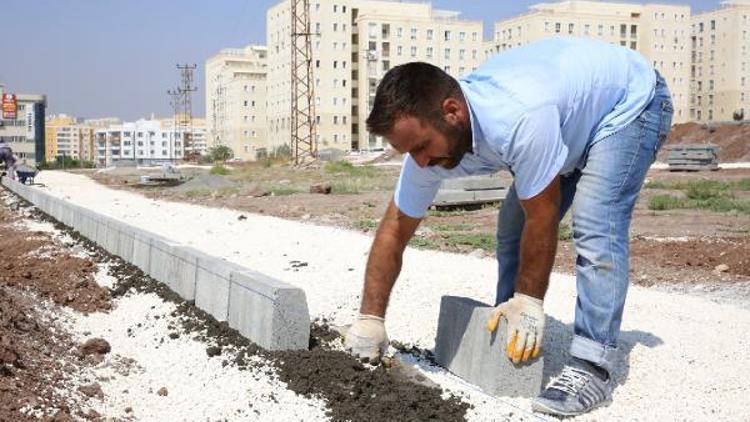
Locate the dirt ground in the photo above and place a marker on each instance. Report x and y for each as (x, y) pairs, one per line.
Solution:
(673, 246)
(37, 356)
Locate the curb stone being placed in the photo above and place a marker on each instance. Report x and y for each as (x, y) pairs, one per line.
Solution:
(465, 347)
(269, 312)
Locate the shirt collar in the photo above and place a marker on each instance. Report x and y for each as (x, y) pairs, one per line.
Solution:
(475, 132)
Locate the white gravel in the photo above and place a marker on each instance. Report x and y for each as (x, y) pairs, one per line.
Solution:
(684, 357)
(198, 387)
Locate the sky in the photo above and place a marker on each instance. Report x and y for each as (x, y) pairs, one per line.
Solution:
(99, 58)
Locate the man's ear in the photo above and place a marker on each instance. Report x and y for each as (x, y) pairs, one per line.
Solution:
(452, 110)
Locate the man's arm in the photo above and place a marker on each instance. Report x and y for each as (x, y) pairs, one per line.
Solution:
(539, 240)
(524, 312)
(384, 262)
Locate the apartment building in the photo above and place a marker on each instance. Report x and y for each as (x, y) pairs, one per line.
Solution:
(236, 100)
(658, 31)
(145, 141)
(22, 124)
(720, 63)
(65, 136)
(355, 43)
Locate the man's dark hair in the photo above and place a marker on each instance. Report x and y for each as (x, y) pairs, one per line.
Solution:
(413, 89)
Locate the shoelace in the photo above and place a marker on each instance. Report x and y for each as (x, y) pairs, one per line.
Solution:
(571, 380)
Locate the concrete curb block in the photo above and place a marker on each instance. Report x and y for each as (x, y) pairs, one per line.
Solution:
(464, 347)
(269, 312)
(212, 284)
(282, 308)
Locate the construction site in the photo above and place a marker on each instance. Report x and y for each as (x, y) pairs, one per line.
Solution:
(235, 282)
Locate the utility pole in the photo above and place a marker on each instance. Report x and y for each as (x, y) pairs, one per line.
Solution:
(186, 120)
(304, 148)
(175, 100)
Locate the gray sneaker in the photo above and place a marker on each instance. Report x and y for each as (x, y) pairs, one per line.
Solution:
(580, 388)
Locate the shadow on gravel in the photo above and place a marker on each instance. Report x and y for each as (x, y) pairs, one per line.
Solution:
(557, 343)
(353, 391)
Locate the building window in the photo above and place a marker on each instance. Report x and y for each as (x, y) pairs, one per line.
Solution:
(462, 36)
(571, 28)
(399, 50)
(447, 53)
(429, 52)
(414, 33)
(414, 51)
(430, 33)
(546, 26)
(634, 31)
(399, 32)
(474, 36)
(447, 35)
(557, 27)
(600, 30)
(623, 31)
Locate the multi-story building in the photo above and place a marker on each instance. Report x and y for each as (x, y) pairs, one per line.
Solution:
(65, 136)
(355, 43)
(660, 32)
(144, 141)
(236, 100)
(22, 125)
(720, 63)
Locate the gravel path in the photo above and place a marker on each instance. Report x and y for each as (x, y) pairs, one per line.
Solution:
(683, 357)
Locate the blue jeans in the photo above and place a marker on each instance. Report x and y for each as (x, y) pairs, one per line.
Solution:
(602, 195)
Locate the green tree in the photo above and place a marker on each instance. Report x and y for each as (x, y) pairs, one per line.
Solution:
(221, 153)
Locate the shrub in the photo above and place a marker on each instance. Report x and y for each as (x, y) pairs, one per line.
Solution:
(219, 170)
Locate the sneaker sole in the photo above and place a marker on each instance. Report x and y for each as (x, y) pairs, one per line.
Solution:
(538, 407)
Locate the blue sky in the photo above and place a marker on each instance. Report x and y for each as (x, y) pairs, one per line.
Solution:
(96, 58)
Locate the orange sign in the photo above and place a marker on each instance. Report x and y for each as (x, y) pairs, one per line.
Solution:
(10, 106)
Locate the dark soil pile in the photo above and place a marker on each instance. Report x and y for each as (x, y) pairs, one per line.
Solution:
(36, 355)
(28, 260)
(734, 139)
(30, 369)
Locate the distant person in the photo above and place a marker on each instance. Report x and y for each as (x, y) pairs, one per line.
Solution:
(577, 122)
(7, 157)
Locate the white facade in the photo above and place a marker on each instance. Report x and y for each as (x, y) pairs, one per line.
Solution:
(144, 141)
(236, 100)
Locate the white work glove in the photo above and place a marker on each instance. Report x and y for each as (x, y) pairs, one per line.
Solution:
(525, 318)
(366, 338)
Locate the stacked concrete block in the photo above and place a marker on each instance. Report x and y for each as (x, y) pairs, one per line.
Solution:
(269, 312)
(469, 190)
(212, 283)
(468, 350)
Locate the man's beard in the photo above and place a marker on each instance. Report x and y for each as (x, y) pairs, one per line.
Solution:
(459, 139)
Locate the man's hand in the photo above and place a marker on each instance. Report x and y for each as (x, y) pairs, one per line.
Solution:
(366, 338)
(525, 318)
